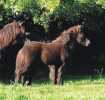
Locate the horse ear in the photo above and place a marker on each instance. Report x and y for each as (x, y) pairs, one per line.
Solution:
(21, 23)
(80, 26)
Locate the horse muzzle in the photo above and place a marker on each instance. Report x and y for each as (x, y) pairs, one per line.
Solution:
(87, 43)
(27, 33)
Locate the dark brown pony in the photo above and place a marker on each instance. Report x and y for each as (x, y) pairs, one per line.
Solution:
(9, 33)
(53, 54)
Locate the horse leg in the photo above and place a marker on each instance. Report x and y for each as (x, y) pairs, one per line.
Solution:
(17, 76)
(22, 79)
(0, 54)
(59, 75)
(27, 79)
(52, 73)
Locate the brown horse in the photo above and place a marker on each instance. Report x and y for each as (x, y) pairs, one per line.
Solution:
(53, 54)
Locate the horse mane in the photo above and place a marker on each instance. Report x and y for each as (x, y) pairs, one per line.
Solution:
(28, 42)
(74, 29)
(63, 36)
(8, 33)
(65, 33)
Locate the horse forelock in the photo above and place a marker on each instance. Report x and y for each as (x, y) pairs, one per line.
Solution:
(18, 28)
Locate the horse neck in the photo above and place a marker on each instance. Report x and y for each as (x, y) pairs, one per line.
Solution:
(62, 39)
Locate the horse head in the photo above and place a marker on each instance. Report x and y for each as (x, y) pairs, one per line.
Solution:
(21, 27)
(79, 36)
(82, 38)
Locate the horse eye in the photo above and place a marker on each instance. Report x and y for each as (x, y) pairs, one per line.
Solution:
(83, 39)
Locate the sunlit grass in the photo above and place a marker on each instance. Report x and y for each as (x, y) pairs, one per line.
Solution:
(74, 88)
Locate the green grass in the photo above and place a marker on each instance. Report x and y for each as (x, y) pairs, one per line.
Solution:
(74, 88)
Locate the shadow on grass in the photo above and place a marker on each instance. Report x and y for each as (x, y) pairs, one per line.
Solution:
(75, 79)
(85, 79)
(41, 81)
(81, 79)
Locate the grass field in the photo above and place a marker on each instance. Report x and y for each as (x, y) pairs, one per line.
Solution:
(74, 88)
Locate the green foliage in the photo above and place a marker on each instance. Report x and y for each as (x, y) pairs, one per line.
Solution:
(101, 2)
(43, 10)
(40, 9)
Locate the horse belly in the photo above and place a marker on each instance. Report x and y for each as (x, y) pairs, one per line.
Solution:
(51, 58)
